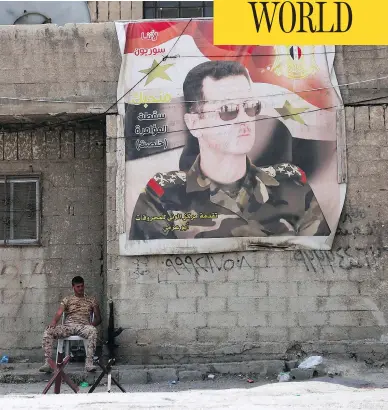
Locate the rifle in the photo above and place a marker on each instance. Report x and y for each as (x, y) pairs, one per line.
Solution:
(107, 369)
(112, 333)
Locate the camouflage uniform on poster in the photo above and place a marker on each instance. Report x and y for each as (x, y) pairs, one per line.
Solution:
(269, 201)
(78, 311)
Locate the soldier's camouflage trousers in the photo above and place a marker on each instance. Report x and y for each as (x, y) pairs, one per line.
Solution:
(62, 331)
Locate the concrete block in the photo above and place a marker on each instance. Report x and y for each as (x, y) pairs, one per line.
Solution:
(126, 10)
(242, 304)
(253, 319)
(349, 118)
(313, 288)
(161, 321)
(273, 334)
(214, 335)
(158, 375)
(377, 118)
(132, 376)
(283, 289)
(303, 304)
(343, 288)
(214, 276)
(10, 141)
(274, 274)
(191, 320)
(366, 153)
(191, 290)
(303, 374)
(252, 289)
(114, 10)
(53, 151)
(282, 319)
(190, 375)
(24, 145)
(221, 289)
(361, 115)
(313, 319)
(221, 319)
(303, 334)
(211, 304)
(240, 275)
(184, 305)
(334, 333)
(365, 333)
(271, 304)
(278, 259)
(343, 319)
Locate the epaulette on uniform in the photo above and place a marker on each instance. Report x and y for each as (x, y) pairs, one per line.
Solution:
(286, 171)
(164, 180)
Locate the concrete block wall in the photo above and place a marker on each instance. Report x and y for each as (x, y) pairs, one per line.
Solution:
(265, 304)
(199, 308)
(33, 279)
(103, 11)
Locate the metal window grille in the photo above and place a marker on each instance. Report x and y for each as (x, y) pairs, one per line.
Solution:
(19, 209)
(177, 9)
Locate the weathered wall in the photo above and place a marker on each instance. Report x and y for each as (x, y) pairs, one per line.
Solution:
(102, 11)
(264, 304)
(79, 65)
(34, 279)
(198, 308)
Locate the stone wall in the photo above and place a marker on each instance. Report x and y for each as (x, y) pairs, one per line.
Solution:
(266, 304)
(197, 307)
(33, 279)
(102, 11)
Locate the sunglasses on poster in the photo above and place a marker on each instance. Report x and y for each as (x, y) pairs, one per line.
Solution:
(229, 112)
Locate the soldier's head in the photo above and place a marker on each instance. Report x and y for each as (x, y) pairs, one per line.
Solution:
(78, 286)
(220, 109)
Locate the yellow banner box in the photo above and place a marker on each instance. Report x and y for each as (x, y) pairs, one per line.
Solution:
(351, 22)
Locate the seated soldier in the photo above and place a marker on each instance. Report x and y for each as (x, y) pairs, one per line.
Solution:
(78, 309)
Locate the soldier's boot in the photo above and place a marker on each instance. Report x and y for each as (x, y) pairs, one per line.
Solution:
(89, 367)
(46, 367)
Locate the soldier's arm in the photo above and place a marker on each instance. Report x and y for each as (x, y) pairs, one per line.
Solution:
(57, 315)
(97, 315)
(312, 222)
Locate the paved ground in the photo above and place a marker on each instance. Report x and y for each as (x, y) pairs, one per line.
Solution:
(361, 386)
(315, 395)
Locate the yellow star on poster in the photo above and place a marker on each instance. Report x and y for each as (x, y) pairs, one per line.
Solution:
(156, 71)
(288, 112)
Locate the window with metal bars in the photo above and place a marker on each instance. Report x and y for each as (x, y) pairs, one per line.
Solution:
(19, 209)
(177, 9)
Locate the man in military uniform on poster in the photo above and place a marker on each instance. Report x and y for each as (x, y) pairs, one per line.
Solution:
(224, 194)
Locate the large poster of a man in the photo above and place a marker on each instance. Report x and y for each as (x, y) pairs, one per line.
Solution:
(227, 148)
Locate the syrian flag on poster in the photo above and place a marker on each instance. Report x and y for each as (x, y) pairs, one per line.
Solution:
(286, 78)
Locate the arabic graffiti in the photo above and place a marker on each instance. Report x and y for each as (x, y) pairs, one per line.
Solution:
(141, 144)
(207, 263)
(145, 116)
(151, 130)
(140, 98)
(150, 35)
(148, 51)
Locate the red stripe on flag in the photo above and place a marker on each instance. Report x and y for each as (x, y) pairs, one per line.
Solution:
(159, 191)
(303, 177)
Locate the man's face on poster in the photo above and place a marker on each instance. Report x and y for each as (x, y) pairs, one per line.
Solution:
(226, 122)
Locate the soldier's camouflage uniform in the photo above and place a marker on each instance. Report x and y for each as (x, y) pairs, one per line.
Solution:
(270, 201)
(77, 322)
